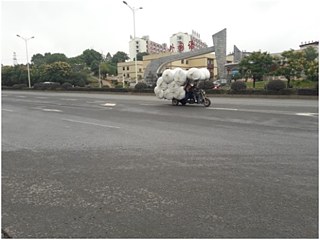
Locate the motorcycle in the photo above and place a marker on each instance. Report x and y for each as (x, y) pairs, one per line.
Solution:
(197, 96)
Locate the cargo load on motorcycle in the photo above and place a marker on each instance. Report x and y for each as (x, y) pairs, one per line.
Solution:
(181, 86)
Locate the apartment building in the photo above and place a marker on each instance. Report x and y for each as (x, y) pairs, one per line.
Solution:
(184, 42)
(314, 44)
(144, 44)
(127, 71)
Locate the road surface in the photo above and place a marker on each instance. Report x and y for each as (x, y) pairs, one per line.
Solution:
(79, 165)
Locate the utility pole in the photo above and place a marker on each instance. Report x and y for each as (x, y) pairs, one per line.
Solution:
(26, 42)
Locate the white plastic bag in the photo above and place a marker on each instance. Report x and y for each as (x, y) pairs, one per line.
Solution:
(167, 76)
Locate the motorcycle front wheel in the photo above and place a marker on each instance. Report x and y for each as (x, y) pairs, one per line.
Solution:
(206, 102)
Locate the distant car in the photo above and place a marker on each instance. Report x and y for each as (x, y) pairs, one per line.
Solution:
(216, 86)
(221, 82)
(50, 83)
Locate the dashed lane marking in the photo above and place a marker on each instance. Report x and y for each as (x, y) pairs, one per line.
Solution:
(307, 114)
(109, 104)
(68, 99)
(51, 110)
(7, 110)
(227, 109)
(90, 123)
(267, 111)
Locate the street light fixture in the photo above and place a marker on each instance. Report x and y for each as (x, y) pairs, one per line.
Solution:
(133, 9)
(26, 42)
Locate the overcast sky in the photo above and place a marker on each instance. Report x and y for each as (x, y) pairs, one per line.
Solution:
(70, 27)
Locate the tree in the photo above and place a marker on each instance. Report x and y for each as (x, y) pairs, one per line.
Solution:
(38, 73)
(311, 54)
(119, 57)
(78, 60)
(57, 72)
(78, 79)
(140, 55)
(107, 68)
(311, 64)
(55, 57)
(256, 65)
(11, 75)
(95, 67)
(39, 59)
(290, 65)
(90, 55)
(236, 76)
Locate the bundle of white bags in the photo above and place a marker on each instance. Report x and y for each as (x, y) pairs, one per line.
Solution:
(171, 84)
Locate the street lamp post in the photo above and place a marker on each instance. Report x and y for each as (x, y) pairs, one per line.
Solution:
(26, 42)
(100, 75)
(133, 9)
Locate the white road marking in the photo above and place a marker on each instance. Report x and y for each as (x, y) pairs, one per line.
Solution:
(7, 110)
(50, 110)
(227, 109)
(266, 111)
(90, 123)
(98, 101)
(307, 114)
(109, 104)
(69, 99)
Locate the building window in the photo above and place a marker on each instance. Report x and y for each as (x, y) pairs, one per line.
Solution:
(123, 68)
(127, 68)
(182, 61)
(187, 62)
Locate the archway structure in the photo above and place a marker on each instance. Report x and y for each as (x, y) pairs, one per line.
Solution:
(155, 67)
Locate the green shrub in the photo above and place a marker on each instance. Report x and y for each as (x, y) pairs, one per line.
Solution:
(307, 91)
(238, 86)
(46, 85)
(275, 85)
(19, 86)
(66, 85)
(206, 84)
(140, 86)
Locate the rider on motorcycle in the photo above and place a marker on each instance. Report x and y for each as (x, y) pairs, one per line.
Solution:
(191, 91)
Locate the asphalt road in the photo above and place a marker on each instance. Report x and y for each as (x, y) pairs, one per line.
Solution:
(79, 165)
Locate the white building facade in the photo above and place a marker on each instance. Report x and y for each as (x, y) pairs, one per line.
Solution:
(144, 44)
(184, 42)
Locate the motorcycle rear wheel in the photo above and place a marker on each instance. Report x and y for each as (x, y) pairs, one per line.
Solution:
(175, 102)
